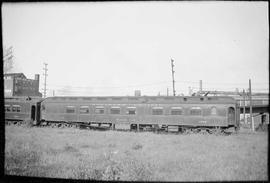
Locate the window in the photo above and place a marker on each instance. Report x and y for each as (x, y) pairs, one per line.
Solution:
(70, 109)
(196, 111)
(43, 107)
(99, 110)
(213, 111)
(16, 108)
(115, 110)
(176, 111)
(157, 110)
(231, 115)
(131, 110)
(7, 108)
(84, 110)
(13, 108)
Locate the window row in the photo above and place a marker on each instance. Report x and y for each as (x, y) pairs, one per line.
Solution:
(196, 111)
(12, 108)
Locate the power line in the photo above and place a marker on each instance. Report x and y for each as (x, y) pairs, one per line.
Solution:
(127, 86)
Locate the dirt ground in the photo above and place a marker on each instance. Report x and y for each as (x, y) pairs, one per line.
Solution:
(144, 156)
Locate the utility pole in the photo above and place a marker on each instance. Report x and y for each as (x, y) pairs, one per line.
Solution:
(244, 109)
(45, 78)
(250, 106)
(173, 77)
(8, 59)
(200, 86)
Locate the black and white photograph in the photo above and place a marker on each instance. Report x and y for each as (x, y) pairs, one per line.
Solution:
(152, 91)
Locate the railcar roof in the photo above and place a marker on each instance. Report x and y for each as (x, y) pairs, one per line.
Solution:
(23, 98)
(144, 99)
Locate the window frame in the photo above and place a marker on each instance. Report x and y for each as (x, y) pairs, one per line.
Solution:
(98, 110)
(112, 108)
(193, 111)
(213, 113)
(156, 110)
(7, 107)
(129, 109)
(176, 109)
(84, 109)
(68, 108)
(16, 108)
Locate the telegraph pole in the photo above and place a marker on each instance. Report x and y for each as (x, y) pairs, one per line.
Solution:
(8, 59)
(173, 77)
(250, 105)
(45, 78)
(200, 86)
(244, 109)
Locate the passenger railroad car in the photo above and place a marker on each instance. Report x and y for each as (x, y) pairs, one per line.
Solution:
(18, 109)
(157, 112)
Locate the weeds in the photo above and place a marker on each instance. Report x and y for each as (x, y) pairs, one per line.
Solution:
(69, 148)
(20, 160)
(134, 156)
(137, 146)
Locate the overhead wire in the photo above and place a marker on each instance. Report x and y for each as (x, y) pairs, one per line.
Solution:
(95, 88)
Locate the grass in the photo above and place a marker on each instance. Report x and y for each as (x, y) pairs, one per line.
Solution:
(114, 155)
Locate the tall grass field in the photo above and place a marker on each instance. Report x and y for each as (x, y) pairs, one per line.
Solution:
(135, 156)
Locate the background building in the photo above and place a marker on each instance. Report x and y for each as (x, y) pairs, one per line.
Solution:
(16, 84)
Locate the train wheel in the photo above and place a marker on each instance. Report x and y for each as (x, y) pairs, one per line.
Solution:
(218, 131)
(236, 129)
(195, 130)
(211, 130)
(203, 131)
(156, 128)
(186, 131)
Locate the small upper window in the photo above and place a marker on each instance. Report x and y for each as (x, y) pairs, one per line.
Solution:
(176, 111)
(84, 110)
(115, 110)
(157, 110)
(70, 109)
(7, 108)
(131, 110)
(99, 110)
(213, 111)
(197, 111)
(16, 108)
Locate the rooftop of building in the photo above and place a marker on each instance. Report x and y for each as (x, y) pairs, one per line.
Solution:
(17, 75)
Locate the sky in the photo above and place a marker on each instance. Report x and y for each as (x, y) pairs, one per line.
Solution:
(115, 48)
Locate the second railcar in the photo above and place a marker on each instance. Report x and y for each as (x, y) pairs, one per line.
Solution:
(19, 109)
